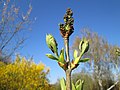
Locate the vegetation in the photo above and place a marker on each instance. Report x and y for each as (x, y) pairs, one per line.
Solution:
(64, 61)
(102, 72)
(23, 74)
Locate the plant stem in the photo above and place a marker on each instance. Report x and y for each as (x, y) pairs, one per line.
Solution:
(66, 43)
(68, 71)
(68, 80)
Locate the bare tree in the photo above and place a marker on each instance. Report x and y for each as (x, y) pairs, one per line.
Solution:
(13, 25)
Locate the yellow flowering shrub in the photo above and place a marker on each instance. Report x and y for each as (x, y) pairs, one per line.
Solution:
(23, 75)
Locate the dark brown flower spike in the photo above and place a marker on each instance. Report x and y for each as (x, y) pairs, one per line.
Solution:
(67, 29)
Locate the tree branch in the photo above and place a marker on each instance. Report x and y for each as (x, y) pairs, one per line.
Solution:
(113, 85)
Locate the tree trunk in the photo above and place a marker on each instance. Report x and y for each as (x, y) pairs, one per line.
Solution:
(100, 84)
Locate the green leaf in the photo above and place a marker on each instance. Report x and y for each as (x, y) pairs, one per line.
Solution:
(51, 56)
(84, 60)
(76, 61)
(77, 83)
(80, 86)
(73, 86)
(80, 44)
(62, 84)
(52, 44)
(84, 46)
(75, 53)
(61, 57)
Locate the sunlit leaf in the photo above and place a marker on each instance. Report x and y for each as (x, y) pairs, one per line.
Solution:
(61, 57)
(51, 57)
(75, 53)
(84, 60)
(52, 44)
(62, 84)
(73, 86)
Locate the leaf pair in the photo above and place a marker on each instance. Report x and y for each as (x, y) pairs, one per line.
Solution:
(77, 59)
(84, 46)
(62, 84)
(60, 58)
(78, 85)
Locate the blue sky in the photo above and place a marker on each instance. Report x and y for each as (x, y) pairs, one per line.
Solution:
(101, 16)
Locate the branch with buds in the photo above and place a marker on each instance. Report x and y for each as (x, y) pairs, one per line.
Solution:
(63, 58)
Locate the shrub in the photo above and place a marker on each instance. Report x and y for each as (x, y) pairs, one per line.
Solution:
(23, 74)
